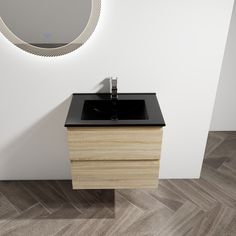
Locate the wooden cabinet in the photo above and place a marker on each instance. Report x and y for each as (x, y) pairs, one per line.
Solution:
(114, 157)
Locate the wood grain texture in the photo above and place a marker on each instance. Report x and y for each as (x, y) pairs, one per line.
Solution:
(114, 143)
(114, 174)
(114, 157)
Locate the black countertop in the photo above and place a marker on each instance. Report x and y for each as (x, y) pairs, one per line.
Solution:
(153, 110)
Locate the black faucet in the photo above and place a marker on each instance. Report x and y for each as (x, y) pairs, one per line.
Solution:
(114, 98)
(113, 83)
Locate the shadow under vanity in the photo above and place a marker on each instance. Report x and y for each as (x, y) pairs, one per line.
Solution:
(114, 143)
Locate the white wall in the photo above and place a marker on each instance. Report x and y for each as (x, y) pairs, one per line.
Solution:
(224, 115)
(174, 48)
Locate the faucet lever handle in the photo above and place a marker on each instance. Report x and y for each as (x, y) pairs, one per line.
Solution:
(114, 82)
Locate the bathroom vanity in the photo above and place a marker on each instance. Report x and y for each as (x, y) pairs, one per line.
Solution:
(114, 143)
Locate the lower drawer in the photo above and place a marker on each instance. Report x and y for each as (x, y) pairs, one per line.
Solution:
(114, 174)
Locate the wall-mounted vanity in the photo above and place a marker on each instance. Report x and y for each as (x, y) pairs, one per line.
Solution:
(114, 143)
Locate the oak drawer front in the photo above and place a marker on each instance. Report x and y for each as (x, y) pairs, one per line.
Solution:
(114, 143)
(114, 174)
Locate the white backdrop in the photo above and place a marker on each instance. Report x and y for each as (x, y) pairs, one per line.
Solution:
(174, 48)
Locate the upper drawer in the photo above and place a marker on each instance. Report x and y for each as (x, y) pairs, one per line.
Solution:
(114, 143)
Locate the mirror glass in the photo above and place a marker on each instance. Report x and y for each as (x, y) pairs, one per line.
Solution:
(48, 27)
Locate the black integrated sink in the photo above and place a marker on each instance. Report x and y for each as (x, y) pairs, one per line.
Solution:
(130, 109)
(114, 110)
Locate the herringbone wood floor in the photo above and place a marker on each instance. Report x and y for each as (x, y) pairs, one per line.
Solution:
(179, 207)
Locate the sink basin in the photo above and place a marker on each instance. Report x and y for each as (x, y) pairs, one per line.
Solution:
(131, 109)
(114, 110)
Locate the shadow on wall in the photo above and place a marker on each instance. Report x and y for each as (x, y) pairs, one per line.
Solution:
(43, 147)
(103, 86)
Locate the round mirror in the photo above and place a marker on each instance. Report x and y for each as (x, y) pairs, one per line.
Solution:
(48, 27)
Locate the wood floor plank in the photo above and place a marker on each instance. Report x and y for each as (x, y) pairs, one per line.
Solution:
(17, 195)
(226, 148)
(125, 215)
(165, 195)
(225, 182)
(225, 170)
(181, 221)
(7, 210)
(215, 192)
(194, 194)
(25, 219)
(142, 200)
(215, 222)
(88, 199)
(231, 162)
(149, 222)
(214, 140)
(85, 225)
(47, 224)
(230, 229)
(215, 162)
(44, 193)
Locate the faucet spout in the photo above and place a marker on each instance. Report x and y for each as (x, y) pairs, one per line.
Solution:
(114, 95)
